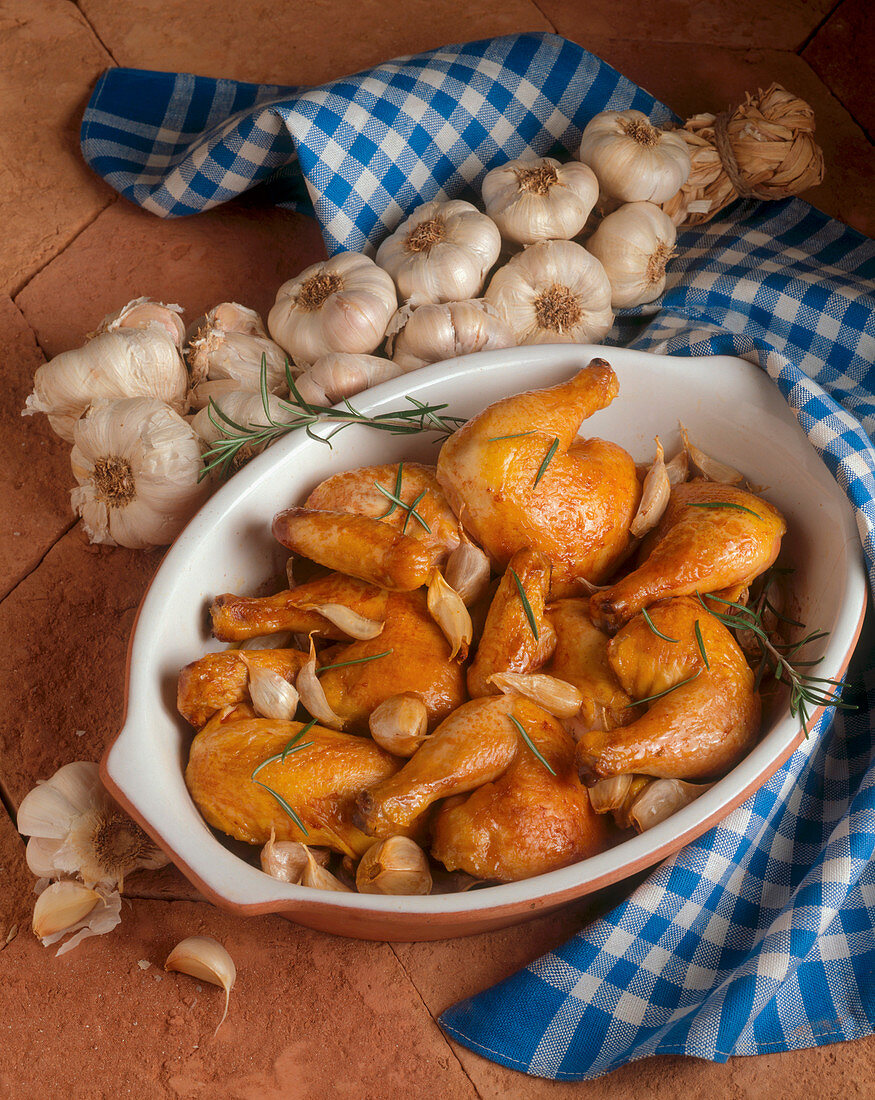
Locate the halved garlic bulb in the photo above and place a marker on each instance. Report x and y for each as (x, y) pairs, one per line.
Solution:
(554, 292)
(634, 160)
(540, 199)
(634, 244)
(342, 374)
(441, 253)
(435, 332)
(138, 465)
(342, 304)
(143, 313)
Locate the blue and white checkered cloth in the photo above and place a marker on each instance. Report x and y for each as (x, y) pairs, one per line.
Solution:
(760, 936)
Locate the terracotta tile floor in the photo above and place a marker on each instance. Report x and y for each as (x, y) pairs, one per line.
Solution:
(312, 1016)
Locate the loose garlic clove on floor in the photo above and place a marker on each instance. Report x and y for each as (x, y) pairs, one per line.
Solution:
(62, 905)
(394, 866)
(204, 958)
(400, 724)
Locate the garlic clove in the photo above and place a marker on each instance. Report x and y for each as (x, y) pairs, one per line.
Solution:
(318, 878)
(654, 496)
(141, 313)
(232, 317)
(286, 860)
(400, 723)
(468, 571)
(347, 620)
(448, 610)
(62, 905)
(271, 694)
(202, 393)
(678, 468)
(50, 809)
(662, 798)
(709, 467)
(216, 355)
(243, 407)
(339, 374)
(609, 794)
(280, 640)
(394, 866)
(556, 696)
(312, 694)
(435, 332)
(206, 959)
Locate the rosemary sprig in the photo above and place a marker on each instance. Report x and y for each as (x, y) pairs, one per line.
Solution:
(527, 607)
(238, 439)
(413, 514)
(357, 661)
(516, 435)
(668, 691)
(410, 509)
(656, 631)
(548, 458)
(724, 504)
(530, 743)
(700, 643)
(399, 477)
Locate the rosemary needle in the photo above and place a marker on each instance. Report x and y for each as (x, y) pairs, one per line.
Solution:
(724, 504)
(284, 805)
(527, 607)
(410, 509)
(668, 691)
(547, 460)
(701, 644)
(396, 492)
(654, 628)
(357, 661)
(530, 743)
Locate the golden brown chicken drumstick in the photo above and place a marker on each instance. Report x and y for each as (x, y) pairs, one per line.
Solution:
(319, 782)
(708, 717)
(518, 479)
(711, 537)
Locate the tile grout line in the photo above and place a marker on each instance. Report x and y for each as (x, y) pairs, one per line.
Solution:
(810, 38)
(78, 6)
(869, 137)
(17, 583)
(458, 1060)
(535, 4)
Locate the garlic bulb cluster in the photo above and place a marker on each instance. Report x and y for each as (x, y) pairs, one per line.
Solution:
(343, 304)
(441, 253)
(342, 374)
(138, 465)
(123, 362)
(632, 159)
(219, 352)
(433, 333)
(540, 200)
(555, 292)
(633, 245)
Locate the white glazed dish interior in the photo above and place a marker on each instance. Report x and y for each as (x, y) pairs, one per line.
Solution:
(731, 409)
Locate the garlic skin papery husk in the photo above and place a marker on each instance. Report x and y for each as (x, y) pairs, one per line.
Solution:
(554, 292)
(435, 332)
(137, 463)
(441, 253)
(540, 200)
(243, 407)
(343, 304)
(633, 160)
(342, 374)
(67, 906)
(633, 245)
(75, 828)
(215, 355)
(123, 363)
(396, 865)
(143, 313)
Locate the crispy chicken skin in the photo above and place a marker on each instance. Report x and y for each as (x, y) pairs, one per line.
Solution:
(508, 643)
(696, 548)
(579, 512)
(527, 821)
(702, 727)
(319, 783)
(221, 679)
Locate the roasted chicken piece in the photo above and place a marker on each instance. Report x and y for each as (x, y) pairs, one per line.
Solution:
(519, 479)
(709, 714)
(527, 821)
(221, 680)
(711, 537)
(581, 658)
(509, 642)
(319, 782)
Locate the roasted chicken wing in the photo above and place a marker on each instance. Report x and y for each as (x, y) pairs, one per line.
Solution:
(221, 679)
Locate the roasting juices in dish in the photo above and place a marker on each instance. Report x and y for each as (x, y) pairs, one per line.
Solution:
(496, 666)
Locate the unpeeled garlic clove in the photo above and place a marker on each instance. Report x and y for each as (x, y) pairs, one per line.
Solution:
(204, 958)
(448, 610)
(286, 860)
(435, 332)
(394, 866)
(142, 313)
(318, 878)
(271, 694)
(654, 496)
(662, 798)
(280, 640)
(468, 572)
(62, 905)
(312, 694)
(678, 468)
(400, 724)
(553, 695)
(609, 794)
(709, 467)
(341, 374)
(347, 620)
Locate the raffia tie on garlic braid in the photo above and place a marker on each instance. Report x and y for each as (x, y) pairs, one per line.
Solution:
(764, 148)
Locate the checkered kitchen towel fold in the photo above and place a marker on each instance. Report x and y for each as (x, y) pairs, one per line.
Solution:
(761, 935)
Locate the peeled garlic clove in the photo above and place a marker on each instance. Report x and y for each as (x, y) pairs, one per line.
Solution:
(62, 905)
(312, 694)
(556, 696)
(678, 469)
(709, 467)
(286, 860)
(394, 866)
(448, 610)
(539, 199)
(609, 794)
(633, 245)
(632, 159)
(468, 571)
(400, 724)
(654, 496)
(271, 694)
(347, 620)
(318, 878)
(204, 958)
(435, 332)
(337, 375)
(142, 313)
(280, 640)
(661, 798)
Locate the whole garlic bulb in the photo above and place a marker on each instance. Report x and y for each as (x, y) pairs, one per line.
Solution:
(432, 333)
(343, 304)
(122, 363)
(245, 408)
(632, 159)
(554, 292)
(137, 463)
(143, 313)
(441, 253)
(341, 374)
(634, 244)
(216, 354)
(540, 200)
